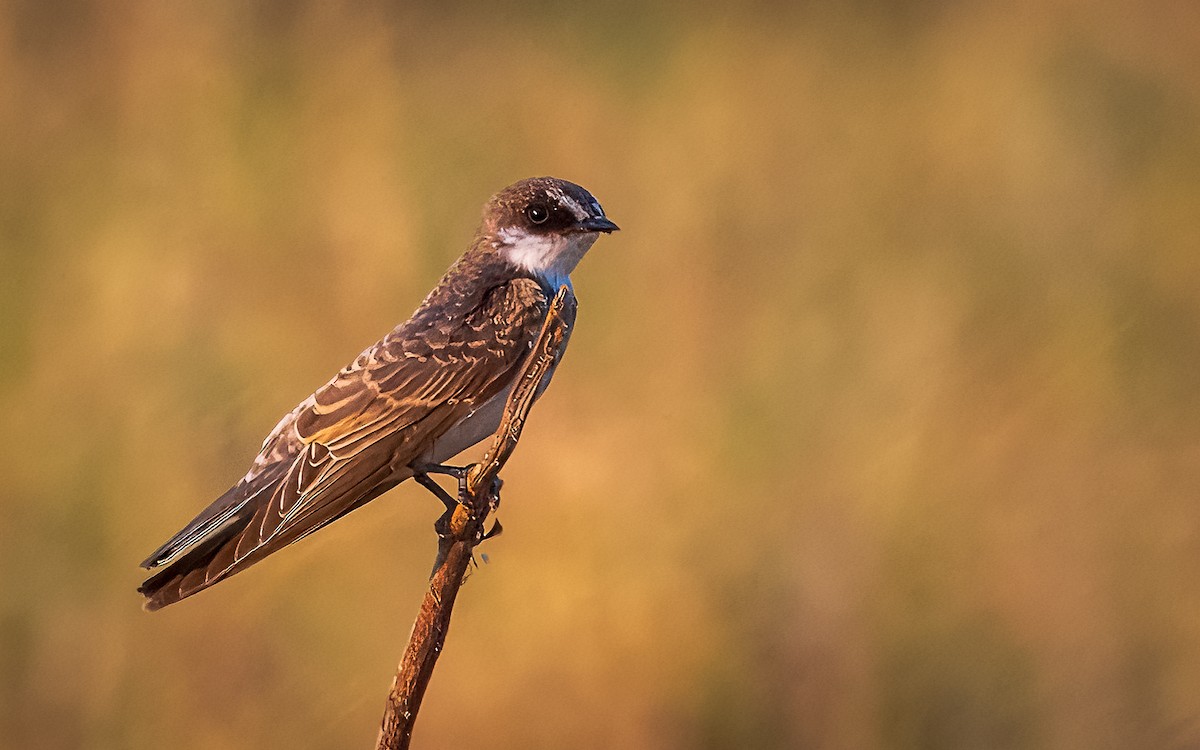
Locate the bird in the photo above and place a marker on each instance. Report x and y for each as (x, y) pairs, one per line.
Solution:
(431, 388)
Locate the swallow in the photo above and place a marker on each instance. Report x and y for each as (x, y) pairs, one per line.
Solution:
(431, 388)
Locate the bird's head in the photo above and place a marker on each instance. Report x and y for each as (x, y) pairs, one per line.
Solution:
(544, 225)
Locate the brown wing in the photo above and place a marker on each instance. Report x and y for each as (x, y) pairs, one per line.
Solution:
(355, 437)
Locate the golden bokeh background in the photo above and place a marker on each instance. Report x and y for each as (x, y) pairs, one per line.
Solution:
(880, 427)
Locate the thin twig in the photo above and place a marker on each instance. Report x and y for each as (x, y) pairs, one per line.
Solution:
(460, 529)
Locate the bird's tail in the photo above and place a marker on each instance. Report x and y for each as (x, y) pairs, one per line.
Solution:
(191, 572)
(231, 547)
(212, 534)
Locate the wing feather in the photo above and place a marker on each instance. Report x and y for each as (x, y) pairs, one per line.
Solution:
(356, 436)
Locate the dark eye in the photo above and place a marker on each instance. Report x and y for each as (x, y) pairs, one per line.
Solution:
(537, 213)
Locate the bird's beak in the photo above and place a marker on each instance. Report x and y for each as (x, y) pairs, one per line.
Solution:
(597, 224)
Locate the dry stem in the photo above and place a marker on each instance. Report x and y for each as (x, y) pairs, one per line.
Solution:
(460, 529)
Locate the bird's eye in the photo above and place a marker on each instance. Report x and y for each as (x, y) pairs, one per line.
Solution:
(537, 213)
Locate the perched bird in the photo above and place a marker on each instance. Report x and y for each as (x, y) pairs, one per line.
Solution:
(428, 390)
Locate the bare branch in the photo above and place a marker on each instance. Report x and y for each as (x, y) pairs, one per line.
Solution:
(460, 529)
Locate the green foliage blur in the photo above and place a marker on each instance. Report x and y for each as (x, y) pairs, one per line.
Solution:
(880, 427)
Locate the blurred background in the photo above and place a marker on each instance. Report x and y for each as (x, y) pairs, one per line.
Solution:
(880, 426)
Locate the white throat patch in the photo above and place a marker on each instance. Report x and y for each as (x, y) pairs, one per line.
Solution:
(551, 257)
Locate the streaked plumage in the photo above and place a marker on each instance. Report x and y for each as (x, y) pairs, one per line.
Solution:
(431, 388)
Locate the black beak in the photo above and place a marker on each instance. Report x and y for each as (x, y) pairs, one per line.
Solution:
(597, 224)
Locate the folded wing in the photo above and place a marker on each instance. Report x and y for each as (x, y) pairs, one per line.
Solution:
(356, 436)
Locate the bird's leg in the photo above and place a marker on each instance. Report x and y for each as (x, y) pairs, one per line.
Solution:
(421, 474)
(458, 472)
(427, 482)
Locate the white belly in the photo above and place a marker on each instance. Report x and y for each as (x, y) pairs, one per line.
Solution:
(480, 424)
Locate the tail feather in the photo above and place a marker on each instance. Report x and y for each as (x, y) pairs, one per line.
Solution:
(239, 542)
(186, 575)
(224, 512)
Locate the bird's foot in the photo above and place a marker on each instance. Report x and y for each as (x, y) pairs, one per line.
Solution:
(461, 473)
(456, 509)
